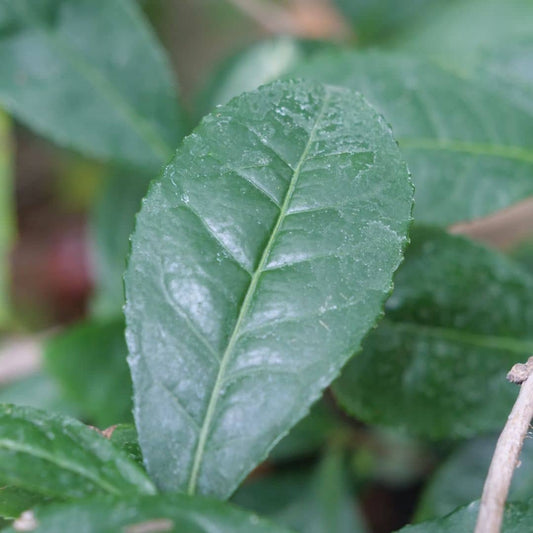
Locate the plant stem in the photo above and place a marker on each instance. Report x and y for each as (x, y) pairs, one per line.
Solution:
(505, 458)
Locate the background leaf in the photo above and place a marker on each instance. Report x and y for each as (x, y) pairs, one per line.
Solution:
(57, 457)
(459, 318)
(517, 519)
(459, 480)
(470, 149)
(259, 261)
(165, 512)
(89, 362)
(90, 76)
(320, 503)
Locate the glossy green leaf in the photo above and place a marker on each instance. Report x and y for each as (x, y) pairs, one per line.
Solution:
(379, 20)
(172, 513)
(460, 479)
(320, 503)
(113, 220)
(89, 75)
(256, 65)
(89, 362)
(6, 213)
(58, 457)
(460, 316)
(517, 519)
(455, 32)
(469, 148)
(259, 261)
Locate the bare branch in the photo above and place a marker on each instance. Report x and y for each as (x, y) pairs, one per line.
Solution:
(506, 455)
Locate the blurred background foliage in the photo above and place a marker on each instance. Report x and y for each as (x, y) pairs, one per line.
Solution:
(65, 221)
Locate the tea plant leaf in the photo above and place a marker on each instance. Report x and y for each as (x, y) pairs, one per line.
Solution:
(256, 65)
(314, 503)
(379, 20)
(58, 457)
(124, 436)
(13, 501)
(469, 148)
(259, 261)
(176, 513)
(455, 32)
(89, 362)
(460, 316)
(460, 479)
(516, 519)
(90, 76)
(112, 222)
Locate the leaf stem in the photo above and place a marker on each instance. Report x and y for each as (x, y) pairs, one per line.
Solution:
(507, 452)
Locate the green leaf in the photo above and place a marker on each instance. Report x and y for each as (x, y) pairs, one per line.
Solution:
(58, 457)
(113, 221)
(256, 65)
(259, 261)
(6, 213)
(455, 32)
(517, 519)
(320, 503)
(460, 479)
(37, 390)
(13, 501)
(124, 436)
(460, 316)
(89, 362)
(90, 76)
(469, 148)
(176, 513)
(379, 20)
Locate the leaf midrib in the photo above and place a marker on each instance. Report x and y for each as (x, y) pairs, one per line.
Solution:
(138, 123)
(516, 153)
(466, 337)
(206, 425)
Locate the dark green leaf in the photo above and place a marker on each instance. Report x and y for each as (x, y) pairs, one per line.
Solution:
(89, 362)
(317, 503)
(460, 479)
(53, 456)
(113, 221)
(256, 65)
(259, 261)
(517, 519)
(89, 75)
(460, 316)
(175, 513)
(124, 436)
(469, 148)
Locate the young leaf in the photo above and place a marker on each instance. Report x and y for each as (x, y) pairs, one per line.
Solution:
(172, 513)
(259, 261)
(460, 316)
(90, 76)
(461, 477)
(58, 457)
(89, 362)
(517, 519)
(317, 503)
(462, 140)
